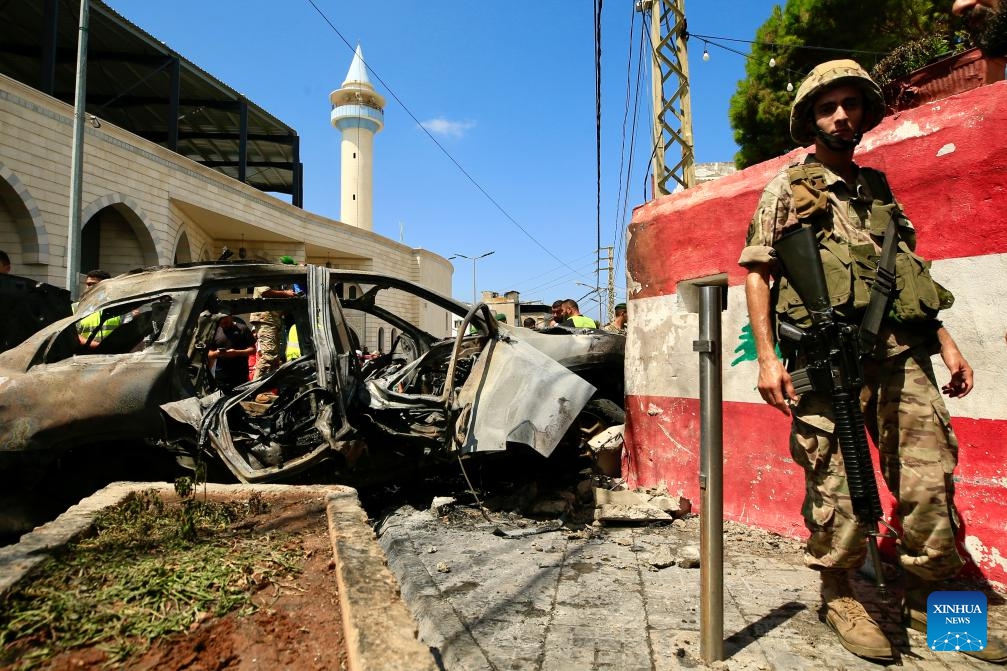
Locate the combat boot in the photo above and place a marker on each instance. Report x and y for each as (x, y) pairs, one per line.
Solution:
(846, 616)
(914, 616)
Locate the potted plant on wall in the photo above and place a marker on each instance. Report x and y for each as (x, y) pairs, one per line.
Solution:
(932, 68)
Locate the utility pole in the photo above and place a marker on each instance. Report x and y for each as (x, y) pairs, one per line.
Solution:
(609, 306)
(670, 86)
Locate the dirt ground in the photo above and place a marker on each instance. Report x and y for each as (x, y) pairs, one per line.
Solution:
(297, 625)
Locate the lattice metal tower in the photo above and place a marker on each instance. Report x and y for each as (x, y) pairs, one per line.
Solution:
(673, 143)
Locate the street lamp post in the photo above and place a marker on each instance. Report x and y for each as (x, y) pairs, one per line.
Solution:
(596, 292)
(77, 155)
(473, 259)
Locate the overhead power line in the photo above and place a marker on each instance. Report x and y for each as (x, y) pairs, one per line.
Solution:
(779, 45)
(438, 144)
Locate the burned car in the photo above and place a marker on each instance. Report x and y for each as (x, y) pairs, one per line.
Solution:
(132, 369)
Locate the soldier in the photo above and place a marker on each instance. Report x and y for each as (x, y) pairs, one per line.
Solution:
(269, 328)
(849, 208)
(987, 22)
(618, 324)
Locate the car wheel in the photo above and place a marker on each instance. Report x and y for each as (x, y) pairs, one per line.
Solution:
(597, 416)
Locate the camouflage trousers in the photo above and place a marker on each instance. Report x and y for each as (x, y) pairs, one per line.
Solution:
(909, 424)
(269, 331)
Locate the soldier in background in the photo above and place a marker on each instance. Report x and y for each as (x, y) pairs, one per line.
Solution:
(618, 323)
(269, 328)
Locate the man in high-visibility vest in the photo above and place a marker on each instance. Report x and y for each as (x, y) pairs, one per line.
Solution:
(87, 326)
(293, 350)
(574, 318)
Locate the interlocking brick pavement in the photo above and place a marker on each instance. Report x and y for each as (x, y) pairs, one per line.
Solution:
(593, 599)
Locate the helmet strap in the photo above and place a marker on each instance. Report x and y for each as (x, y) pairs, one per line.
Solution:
(837, 143)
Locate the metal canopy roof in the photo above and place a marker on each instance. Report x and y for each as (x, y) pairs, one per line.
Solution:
(138, 83)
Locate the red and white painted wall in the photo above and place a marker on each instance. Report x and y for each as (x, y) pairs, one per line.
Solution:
(947, 164)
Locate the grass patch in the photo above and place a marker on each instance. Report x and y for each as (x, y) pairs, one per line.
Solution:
(151, 569)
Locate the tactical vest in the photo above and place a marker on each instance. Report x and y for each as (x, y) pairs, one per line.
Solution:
(850, 269)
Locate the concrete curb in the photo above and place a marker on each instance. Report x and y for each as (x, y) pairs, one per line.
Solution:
(380, 632)
(440, 625)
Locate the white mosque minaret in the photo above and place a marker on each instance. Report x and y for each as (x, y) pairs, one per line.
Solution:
(357, 113)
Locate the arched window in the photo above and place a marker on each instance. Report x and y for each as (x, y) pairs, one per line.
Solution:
(353, 291)
(381, 340)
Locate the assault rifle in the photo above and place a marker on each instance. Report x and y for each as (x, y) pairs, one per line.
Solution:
(831, 350)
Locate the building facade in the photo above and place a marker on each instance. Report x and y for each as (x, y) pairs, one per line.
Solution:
(153, 197)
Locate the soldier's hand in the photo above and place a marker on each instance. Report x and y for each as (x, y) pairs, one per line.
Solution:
(960, 383)
(775, 385)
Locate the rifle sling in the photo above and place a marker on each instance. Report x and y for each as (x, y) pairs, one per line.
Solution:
(881, 291)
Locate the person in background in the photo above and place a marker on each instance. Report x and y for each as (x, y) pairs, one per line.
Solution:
(557, 314)
(269, 328)
(4, 263)
(573, 317)
(529, 323)
(293, 348)
(618, 323)
(87, 326)
(94, 278)
(233, 343)
(986, 21)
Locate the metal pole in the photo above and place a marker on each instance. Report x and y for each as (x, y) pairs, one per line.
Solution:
(77, 157)
(474, 280)
(711, 477)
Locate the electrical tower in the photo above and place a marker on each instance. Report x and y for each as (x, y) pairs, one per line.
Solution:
(609, 259)
(670, 86)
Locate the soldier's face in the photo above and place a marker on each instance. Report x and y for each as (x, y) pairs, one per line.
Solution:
(840, 111)
(986, 21)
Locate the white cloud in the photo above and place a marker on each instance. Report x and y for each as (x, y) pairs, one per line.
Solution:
(448, 128)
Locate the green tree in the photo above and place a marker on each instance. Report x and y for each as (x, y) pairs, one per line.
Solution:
(804, 33)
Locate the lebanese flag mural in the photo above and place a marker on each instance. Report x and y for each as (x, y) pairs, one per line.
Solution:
(947, 165)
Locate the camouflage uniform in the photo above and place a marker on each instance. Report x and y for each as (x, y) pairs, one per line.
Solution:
(903, 410)
(269, 330)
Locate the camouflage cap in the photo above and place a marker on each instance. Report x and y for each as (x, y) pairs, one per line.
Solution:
(826, 76)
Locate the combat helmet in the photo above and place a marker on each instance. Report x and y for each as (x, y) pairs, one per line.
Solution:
(828, 75)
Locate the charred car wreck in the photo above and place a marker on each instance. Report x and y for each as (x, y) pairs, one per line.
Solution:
(131, 368)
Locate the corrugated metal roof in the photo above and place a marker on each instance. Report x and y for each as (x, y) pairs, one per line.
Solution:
(129, 84)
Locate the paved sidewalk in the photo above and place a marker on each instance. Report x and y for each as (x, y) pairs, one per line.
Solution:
(582, 601)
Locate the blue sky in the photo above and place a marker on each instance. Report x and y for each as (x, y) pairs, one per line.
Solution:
(507, 89)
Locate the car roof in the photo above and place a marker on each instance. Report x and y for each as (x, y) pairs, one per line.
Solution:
(193, 275)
